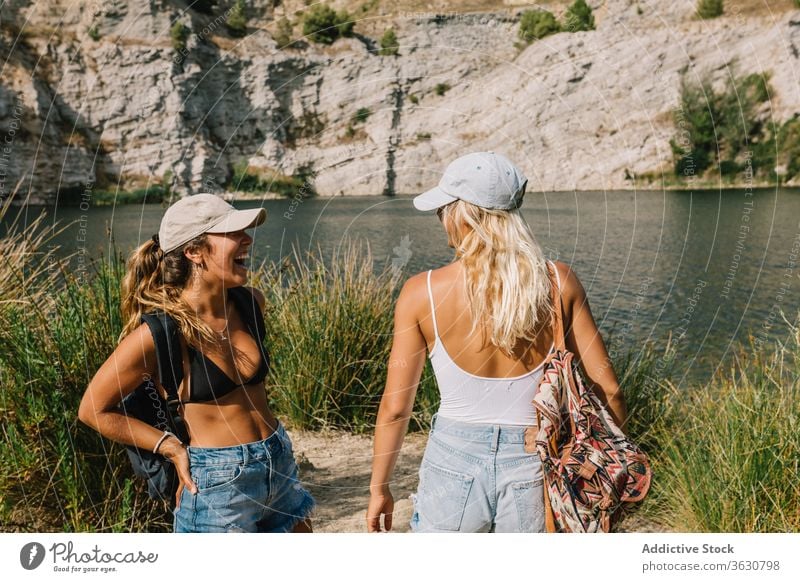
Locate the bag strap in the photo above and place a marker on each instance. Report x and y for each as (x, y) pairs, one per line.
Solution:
(170, 366)
(168, 352)
(558, 323)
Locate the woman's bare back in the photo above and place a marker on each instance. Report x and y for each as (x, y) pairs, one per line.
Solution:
(470, 351)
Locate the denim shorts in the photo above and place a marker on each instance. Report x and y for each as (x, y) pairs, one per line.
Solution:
(478, 478)
(251, 487)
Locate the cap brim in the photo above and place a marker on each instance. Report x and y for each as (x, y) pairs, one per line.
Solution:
(239, 220)
(433, 199)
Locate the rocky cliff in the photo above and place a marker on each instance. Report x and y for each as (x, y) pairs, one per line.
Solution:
(99, 93)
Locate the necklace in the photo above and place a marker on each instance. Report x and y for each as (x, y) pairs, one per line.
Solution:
(221, 332)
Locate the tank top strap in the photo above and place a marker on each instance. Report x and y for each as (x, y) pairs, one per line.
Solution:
(558, 277)
(433, 308)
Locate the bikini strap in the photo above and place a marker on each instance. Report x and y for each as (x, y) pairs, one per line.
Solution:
(433, 309)
(558, 324)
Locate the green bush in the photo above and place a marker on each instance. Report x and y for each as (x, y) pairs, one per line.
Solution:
(441, 88)
(324, 25)
(579, 17)
(709, 8)
(536, 24)
(389, 44)
(789, 147)
(178, 34)
(361, 115)
(237, 19)
(94, 33)
(153, 194)
(413, 98)
(725, 130)
(283, 35)
(246, 179)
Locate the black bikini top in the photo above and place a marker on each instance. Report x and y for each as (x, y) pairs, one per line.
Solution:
(208, 381)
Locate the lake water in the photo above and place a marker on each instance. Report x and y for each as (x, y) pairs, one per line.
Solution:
(710, 267)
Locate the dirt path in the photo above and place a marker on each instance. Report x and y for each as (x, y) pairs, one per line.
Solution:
(335, 467)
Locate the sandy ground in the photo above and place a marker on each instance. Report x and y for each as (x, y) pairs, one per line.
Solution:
(335, 467)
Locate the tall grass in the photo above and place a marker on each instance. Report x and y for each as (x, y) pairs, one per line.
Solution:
(329, 330)
(55, 474)
(729, 457)
(28, 263)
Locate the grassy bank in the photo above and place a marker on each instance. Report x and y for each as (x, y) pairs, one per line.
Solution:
(725, 456)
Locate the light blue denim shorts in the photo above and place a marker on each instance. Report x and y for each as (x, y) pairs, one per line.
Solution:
(478, 478)
(251, 487)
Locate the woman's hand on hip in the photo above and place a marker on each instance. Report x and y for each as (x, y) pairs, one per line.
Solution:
(175, 451)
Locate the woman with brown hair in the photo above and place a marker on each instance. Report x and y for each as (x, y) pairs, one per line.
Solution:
(486, 321)
(237, 472)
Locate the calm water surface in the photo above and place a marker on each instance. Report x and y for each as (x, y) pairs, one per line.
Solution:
(707, 267)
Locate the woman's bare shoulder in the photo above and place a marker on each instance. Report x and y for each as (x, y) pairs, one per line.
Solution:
(571, 287)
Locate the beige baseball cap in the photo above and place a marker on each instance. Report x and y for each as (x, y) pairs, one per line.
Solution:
(194, 215)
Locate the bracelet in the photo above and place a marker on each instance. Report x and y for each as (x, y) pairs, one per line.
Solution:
(161, 440)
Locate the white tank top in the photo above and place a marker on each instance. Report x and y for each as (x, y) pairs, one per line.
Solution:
(470, 398)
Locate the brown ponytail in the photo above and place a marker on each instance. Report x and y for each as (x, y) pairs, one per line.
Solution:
(154, 281)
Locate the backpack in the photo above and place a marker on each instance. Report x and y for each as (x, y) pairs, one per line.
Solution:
(146, 404)
(590, 467)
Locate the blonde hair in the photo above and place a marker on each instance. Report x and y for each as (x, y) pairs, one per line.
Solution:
(154, 282)
(507, 282)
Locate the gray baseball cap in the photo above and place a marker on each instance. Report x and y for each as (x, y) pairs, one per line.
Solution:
(486, 179)
(194, 215)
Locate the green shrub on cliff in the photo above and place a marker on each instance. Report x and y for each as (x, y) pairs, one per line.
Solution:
(178, 34)
(237, 19)
(709, 8)
(727, 130)
(324, 25)
(283, 33)
(536, 24)
(789, 147)
(389, 45)
(579, 17)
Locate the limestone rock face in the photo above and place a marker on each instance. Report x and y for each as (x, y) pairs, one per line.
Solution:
(98, 94)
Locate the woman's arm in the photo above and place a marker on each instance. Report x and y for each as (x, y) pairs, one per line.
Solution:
(129, 365)
(406, 362)
(584, 340)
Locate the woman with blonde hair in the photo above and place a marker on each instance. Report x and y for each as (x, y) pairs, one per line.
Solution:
(486, 322)
(237, 472)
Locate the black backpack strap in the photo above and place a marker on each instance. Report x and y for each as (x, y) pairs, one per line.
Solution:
(168, 352)
(170, 366)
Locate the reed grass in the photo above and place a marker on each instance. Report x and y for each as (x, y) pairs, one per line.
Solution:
(729, 454)
(329, 328)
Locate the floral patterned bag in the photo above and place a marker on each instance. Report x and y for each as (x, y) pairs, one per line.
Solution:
(590, 467)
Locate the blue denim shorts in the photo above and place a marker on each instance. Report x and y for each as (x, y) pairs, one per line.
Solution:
(251, 487)
(478, 478)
